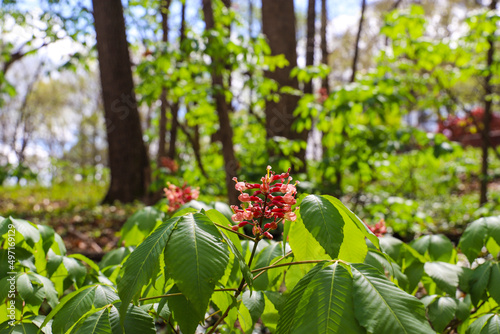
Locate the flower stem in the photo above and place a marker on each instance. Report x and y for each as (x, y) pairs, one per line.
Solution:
(242, 284)
(235, 232)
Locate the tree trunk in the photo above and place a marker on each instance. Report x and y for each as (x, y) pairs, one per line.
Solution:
(162, 131)
(278, 24)
(311, 33)
(487, 116)
(324, 49)
(172, 154)
(223, 109)
(128, 160)
(356, 45)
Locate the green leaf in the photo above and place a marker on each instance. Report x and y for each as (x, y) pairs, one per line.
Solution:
(264, 259)
(304, 245)
(142, 264)
(139, 225)
(287, 317)
(325, 223)
(438, 246)
(476, 235)
(28, 230)
(445, 275)
(384, 262)
(96, 323)
(86, 260)
(196, 257)
(381, 307)
(441, 312)
(74, 306)
(136, 320)
(391, 246)
(325, 306)
(21, 328)
(358, 222)
(255, 304)
(233, 243)
(494, 283)
(33, 295)
(479, 281)
(76, 271)
(115, 257)
(492, 326)
(487, 324)
(185, 313)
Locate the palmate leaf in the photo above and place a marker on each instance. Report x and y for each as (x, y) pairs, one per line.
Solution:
(21, 328)
(27, 229)
(75, 305)
(476, 235)
(95, 323)
(303, 244)
(196, 257)
(139, 225)
(349, 215)
(185, 313)
(487, 324)
(264, 259)
(233, 243)
(381, 307)
(446, 276)
(442, 311)
(136, 320)
(142, 264)
(479, 280)
(324, 221)
(494, 283)
(255, 303)
(438, 246)
(321, 303)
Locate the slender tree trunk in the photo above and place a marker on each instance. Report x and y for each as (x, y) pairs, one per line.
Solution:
(310, 45)
(485, 146)
(325, 84)
(172, 154)
(223, 109)
(324, 48)
(278, 24)
(128, 160)
(164, 7)
(356, 44)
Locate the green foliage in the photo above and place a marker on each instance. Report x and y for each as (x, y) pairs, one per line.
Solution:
(191, 265)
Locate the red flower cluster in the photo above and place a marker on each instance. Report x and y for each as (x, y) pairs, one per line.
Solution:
(379, 229)
(262, 204)
(178, 196)
(462, 129)
(169, 163)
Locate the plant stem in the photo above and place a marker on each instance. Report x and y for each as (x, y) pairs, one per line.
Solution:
(180, 294)
(235, 232)
(258, 237)
(290, 264)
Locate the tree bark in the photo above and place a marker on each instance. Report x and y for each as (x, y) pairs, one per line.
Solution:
(356, 45)
(278, 24)
(162, 131)
(172, 153)
(324, 49)
(223, 109)
(311, 34)
(485, 146)
(128, 160)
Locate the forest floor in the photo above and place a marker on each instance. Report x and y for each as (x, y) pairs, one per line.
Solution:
(86, 226)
